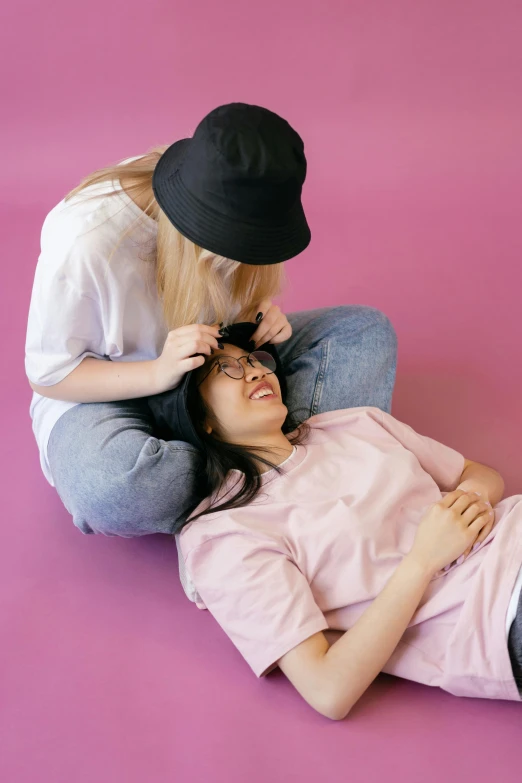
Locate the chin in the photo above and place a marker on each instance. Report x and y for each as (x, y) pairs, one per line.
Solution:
(279, 413)
(274, 411)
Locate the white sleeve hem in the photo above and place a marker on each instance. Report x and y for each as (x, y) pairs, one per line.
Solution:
(56, 376)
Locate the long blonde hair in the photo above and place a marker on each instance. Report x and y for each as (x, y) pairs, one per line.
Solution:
(194, 284)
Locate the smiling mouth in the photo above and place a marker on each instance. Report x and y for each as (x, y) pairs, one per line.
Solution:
(264, 392)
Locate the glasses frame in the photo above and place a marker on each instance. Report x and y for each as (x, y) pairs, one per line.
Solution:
(237, 359)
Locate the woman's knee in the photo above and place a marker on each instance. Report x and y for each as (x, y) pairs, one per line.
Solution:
(364, 317)
(344, 323)
(114, 477)
(122, 500)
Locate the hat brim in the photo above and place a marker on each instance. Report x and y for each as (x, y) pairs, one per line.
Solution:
(248, 243)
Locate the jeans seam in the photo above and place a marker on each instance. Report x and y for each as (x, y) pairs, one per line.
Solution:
(326, 316)
(325, 346)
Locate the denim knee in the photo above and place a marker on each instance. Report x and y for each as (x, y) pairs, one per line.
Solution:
(147, 498)
(373, 318)
(136, 486)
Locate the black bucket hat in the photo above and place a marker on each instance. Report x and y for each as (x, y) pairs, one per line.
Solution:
(169, 409)
(234, 188)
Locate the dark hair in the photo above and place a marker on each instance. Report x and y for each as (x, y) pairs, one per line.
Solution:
(219, 457)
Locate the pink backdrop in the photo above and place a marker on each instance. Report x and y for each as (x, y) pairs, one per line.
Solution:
(410, 113)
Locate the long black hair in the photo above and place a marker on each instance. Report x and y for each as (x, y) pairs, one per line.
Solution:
(217, 458)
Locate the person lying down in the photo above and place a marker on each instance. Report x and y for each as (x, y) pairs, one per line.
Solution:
(349, 522)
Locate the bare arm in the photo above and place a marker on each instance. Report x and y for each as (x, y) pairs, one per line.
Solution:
(332, 679)
(481, 478)
(97, 380)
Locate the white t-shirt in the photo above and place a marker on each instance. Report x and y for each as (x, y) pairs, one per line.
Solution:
(82, 304)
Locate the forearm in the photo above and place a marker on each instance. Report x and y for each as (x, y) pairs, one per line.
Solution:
(97, 380)
(481, 478)
(351, 664)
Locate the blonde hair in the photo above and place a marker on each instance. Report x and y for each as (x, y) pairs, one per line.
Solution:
(194, 284)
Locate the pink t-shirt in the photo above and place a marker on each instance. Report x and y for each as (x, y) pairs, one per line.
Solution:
(318, 544)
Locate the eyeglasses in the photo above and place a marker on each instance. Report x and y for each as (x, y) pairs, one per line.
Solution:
(234, 369)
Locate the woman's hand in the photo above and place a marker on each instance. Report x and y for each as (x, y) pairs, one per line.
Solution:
(468, 486)
(273, 324)
(449, 528)
(184, 350)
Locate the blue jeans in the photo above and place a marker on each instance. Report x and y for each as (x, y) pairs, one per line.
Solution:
(115, 477)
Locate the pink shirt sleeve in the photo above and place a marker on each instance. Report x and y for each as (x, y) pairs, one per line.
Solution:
(444, 464)
(257, 595)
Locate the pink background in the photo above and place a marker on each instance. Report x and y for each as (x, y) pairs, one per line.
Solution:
(410, 113)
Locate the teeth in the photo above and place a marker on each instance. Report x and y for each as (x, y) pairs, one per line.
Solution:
(261, 393)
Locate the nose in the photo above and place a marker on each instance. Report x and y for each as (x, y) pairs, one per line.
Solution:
(254, 373)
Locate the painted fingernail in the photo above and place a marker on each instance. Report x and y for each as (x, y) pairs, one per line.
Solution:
(221, 324)
(223, 331)
(211, 350)
(259, 317)
(475, 546)
(220, 345)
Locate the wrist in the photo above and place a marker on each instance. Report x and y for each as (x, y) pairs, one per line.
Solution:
(154, 378)
(418, 565)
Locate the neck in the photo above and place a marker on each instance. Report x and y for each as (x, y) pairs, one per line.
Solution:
(277, 445)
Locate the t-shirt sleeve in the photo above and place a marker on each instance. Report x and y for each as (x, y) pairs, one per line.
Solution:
(257, 595)
(64, 324)
(443, 463)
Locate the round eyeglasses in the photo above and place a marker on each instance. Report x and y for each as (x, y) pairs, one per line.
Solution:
(235, 369)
